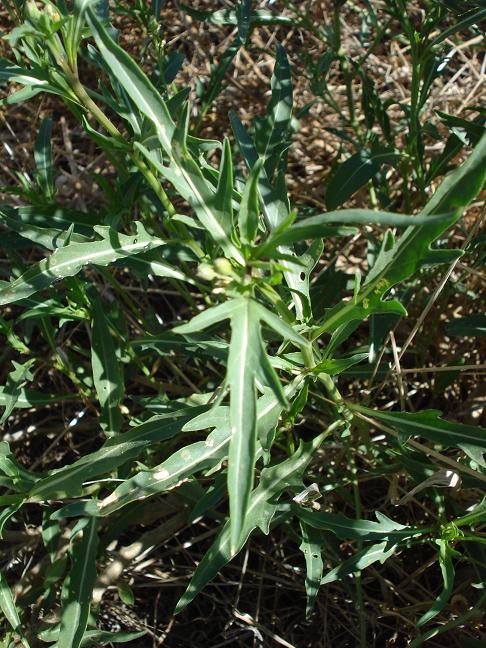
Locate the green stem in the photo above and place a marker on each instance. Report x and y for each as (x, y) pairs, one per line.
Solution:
(89, 104)
(93, 108)
(328, 383)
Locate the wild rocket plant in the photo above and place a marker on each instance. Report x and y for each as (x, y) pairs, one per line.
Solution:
(240, 260)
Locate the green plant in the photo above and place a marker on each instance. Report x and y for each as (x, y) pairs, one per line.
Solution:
(239, 261)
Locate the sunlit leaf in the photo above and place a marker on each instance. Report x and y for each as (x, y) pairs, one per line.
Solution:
(263, 504)
(71, 259)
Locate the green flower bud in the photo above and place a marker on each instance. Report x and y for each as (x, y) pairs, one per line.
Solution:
(223, 267)
(206, 271)
(32, 11)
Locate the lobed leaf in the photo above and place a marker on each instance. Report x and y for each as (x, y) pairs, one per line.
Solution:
(67, 481)
(349, 529)
(71, 259)
(398, 262)
(263, 504)
(429, 425)
(360, 560)
(311, 547)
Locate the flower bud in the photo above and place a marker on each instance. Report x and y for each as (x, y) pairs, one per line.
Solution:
(53, 13)
(206, 272)
(223, 267)
(32, 11)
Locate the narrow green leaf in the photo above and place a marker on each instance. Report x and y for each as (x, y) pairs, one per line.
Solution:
(145, 265)
(447, 570)
(52, 217)
(43, 159)
(14, 341)
(67, 481)
(214, 85)
(138, 86)
(319, 226)
(201, 196)
(223, 199)
(245, 355)
(195, 457)
(229, 17)
(250, 206)
(9, 609)
(22, 479)
(27, 398)
(198, 345)
(107, 371)
(473, 325)
(402, 260)
(281, 327)
(470, 18)
(12, 390)
(311, 547)
(338, 365)
(429, 425)
(71, 259)
(461, 186)
(279, 112)
(185, 175)
(179, 466)
(78, 587)
(208, 318)
(49, 238)
(478, 514)
(243, 15)
(351, 529)
(275, 212)
(354, 173)
(264, 502)
(247, 360)
(95, 637)
(361, 559)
